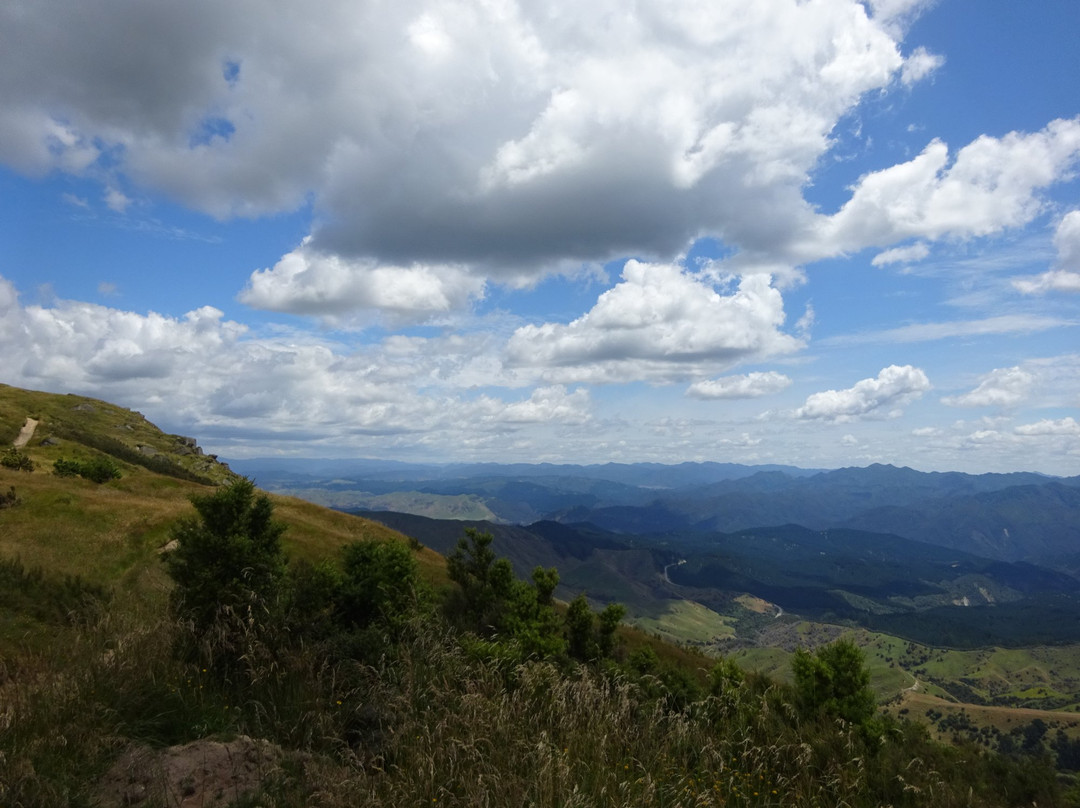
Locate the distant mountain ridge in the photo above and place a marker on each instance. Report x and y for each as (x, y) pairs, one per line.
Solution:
(650, 475)
(912, 589)
(1008, 517)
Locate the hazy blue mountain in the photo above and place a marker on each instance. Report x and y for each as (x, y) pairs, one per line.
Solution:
(1009, 517)
(920, 591)
(1034, 522)
(645, 475)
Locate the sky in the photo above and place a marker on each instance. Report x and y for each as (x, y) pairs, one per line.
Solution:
(821, 233)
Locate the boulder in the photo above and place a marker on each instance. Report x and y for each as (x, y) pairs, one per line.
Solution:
(204, 774)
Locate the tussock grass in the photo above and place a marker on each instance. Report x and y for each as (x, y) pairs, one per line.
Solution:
(437, 721)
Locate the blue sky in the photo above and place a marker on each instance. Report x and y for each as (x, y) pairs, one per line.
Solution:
(821, 233)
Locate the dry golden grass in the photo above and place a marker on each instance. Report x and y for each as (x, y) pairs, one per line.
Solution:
(1002, 718)
(112, 533)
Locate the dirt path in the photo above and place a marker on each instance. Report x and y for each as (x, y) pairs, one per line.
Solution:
(669, 566)
(26, 433)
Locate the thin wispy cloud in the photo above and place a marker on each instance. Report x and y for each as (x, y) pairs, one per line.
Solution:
(931, 332)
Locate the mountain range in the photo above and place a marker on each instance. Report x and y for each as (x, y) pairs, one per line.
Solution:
(1008, 517)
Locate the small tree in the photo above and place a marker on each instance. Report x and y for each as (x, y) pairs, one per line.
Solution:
(9, 499)
(580, 639)
(379, 583)
(486, 581)
(834, 681)
(531, 618)
(67, 468)
(610, 617)
(725, 677)
(228, 557)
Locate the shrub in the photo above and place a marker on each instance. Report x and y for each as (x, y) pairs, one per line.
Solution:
(228, 557)
(67, 468)
(10, 499)
(486, 581)
(531, 618)
(834, 681)
(16, 460)
(98, 470)
(379, 581)
(46, 597)
(585, 640)
(580, 639)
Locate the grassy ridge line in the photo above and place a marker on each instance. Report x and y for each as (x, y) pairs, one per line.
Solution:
(112, 533)
(85, 426)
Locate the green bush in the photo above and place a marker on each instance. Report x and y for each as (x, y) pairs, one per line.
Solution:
(47, 597)
(379, 583)
(99, 469)
(16, 460)
(835, 682)
(486, 581)
(67, 468)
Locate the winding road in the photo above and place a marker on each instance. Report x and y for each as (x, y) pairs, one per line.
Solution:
(669, 566)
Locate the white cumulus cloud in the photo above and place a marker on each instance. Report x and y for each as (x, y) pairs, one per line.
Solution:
(514, 138)
(883, 396)
(920, 64)
(306, 281)
(1064, 427)
(751, 385)
(659, 324)
(442, 143)
(992, 184)
(547, 404)
(214, 377)
(1002, 387)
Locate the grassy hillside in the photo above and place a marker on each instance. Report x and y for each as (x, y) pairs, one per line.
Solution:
(111, 534)
(101, 684)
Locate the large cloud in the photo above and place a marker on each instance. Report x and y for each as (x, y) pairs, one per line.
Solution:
(514, 137)
(883, 396)
(203, 373)
(308, 282)
(990, 185)
(1002, 387)
(659, 324)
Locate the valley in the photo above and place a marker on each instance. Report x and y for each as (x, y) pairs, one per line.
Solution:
(971, 593)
